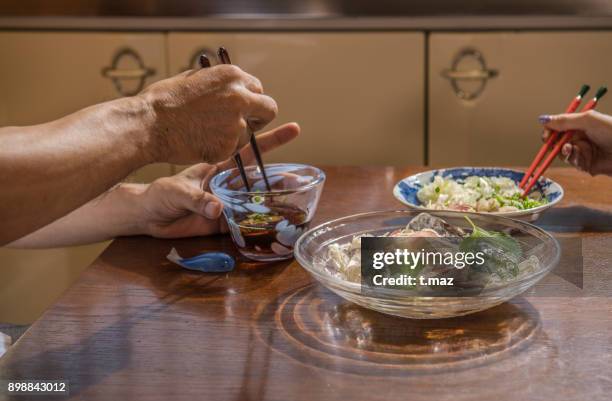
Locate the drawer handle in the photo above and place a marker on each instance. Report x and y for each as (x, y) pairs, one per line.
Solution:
(470, 75)
(127, 74)
(118, 75)
(481, 74)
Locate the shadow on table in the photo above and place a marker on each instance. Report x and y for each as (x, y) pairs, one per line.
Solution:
(94, 358)
(576, 219)
(83, 364)
(318, 328)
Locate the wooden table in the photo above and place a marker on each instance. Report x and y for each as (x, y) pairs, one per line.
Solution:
(135, 327)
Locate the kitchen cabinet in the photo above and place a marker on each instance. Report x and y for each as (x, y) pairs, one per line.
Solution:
(521, 75)
(47, 75)
(31, 280)
(43, 76)
(357, 96)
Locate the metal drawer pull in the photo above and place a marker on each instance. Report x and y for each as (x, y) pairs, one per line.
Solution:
(473, 75)
(117, 75)
(481, 74)
(127, 74)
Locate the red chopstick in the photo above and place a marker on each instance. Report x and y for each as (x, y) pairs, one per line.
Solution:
(553, 136)
(564, 139)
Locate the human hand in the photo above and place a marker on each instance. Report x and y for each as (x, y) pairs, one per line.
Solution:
(180, 206)
(590, 147)
(202, 114)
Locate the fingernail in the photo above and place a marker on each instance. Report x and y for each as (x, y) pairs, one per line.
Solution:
(212, 210)
(566, 150)
(544, 118)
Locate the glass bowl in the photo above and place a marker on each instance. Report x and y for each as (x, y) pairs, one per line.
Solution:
(311, 252)
(264, 225)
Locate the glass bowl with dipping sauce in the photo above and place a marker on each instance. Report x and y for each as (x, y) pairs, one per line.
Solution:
(264, 225)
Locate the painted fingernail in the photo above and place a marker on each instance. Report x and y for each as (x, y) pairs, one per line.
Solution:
(212, 210)
(566, 150)
(544, 118)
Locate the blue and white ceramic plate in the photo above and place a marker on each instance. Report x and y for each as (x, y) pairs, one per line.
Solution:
(406, 190)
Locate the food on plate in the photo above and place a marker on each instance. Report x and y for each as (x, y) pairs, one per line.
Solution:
(504, 259)
(477, 194)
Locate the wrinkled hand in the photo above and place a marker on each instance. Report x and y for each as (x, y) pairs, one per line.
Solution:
(180, 206)
(590, 147)
(202, 114)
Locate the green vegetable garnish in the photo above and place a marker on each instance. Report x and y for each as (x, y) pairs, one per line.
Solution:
(257, 199)
(502, 253)
(259, 219)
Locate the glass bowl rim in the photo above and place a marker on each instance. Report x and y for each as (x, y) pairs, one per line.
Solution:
(356, 287)
(217, 190)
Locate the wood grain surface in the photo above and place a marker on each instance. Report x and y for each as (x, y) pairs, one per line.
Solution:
(136, 327)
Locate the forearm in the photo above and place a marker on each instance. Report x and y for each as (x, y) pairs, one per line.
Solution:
(48, 170)
(115, 213)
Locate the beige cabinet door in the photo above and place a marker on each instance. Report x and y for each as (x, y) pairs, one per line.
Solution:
(44, 76)
(357, 96)
(537, 73)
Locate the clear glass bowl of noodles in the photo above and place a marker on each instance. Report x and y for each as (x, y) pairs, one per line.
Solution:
(312, 252)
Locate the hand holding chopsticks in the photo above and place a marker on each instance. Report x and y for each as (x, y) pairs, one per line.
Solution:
(225, 59)
(573, 106)
(527, 184)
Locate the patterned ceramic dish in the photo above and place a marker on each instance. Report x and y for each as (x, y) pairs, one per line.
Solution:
(312, 252)
(265, 225)
(406, 190)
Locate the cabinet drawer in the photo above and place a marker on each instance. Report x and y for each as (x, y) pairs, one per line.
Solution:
(538, 72)
(47, 75)
(357, 96)
(31, 280)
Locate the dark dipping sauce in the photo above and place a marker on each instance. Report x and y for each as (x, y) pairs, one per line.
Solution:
(259, 229)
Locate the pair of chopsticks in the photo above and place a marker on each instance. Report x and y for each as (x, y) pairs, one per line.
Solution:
(223, 55)
(525, 183)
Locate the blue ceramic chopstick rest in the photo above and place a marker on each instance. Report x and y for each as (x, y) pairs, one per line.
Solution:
(207, 262)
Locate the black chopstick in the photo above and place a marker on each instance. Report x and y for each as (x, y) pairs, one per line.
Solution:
(225, 59)
(258, 157)
(205, 63)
